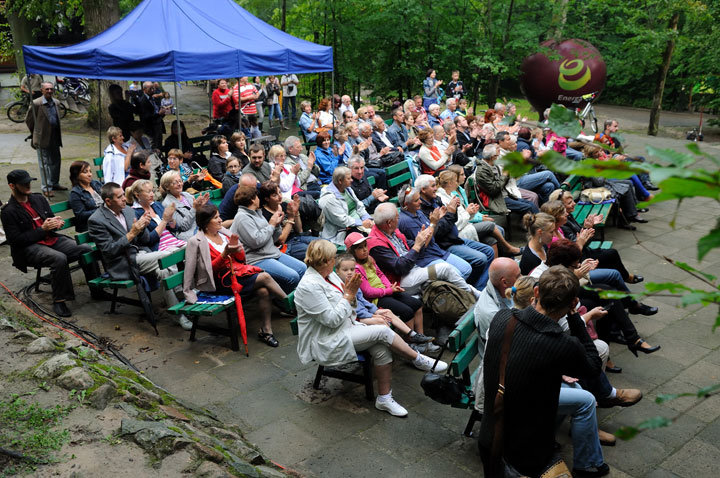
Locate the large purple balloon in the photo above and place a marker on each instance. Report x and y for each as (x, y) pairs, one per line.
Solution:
(575, 68)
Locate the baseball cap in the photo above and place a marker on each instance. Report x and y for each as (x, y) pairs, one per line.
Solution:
(353, 239)
(19, 176)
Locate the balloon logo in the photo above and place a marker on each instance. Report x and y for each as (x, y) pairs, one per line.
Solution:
(571, 68)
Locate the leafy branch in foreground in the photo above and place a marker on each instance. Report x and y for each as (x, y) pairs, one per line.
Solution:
(679, 178)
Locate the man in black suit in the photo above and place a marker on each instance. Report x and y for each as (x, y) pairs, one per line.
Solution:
(124, 242)
(31, 229)
(151, 116)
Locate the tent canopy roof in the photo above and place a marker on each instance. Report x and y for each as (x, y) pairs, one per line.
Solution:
(179, 40)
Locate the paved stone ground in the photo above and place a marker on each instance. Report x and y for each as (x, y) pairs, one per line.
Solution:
(336, 432)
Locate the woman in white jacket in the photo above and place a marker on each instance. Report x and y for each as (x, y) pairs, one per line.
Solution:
(472, 224)
(117, 158)
(329, 333)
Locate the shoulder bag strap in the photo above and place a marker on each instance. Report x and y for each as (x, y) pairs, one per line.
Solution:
(499, 406)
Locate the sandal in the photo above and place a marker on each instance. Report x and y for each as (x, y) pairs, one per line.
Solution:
(269, 339)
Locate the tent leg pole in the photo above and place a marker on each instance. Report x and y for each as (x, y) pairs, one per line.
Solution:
(332, 91)
(177, 116)
(99, 119)
(240, 109)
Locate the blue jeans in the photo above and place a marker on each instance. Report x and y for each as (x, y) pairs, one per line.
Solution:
(286, 270)
(580, 405)
(521, 205)
(274, 110)
(542, 183)
(462, 267)
(479, 256)
(297, 246)
(610, 277)
(640, 192)
(573, 154)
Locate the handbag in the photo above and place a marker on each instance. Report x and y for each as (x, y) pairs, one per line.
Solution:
(444, 388)
(595, 195)
(557, 468)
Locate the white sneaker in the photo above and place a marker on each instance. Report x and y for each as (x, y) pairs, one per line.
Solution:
(425, 363)
(392, 407)
(431, 348)
(184, 322)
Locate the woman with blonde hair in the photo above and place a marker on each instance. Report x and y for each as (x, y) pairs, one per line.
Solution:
(329, 334)
(541, 230)
(171, 186)
(522, 292)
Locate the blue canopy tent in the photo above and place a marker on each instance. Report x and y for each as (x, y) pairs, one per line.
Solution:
(180, 40)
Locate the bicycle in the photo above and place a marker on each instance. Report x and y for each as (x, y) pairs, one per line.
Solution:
(75, 88)
(17, 110)
(588, 112)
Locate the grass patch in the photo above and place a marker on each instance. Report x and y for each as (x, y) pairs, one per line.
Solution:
(32, 431)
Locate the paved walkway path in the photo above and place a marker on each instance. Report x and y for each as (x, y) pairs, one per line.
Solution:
(336, 432)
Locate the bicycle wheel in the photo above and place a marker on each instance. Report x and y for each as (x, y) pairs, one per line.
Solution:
(62, 110)
(17, 111)
(593, 121)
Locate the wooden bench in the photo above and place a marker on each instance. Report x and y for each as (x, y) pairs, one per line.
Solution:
(195, 311)
(306, 143)
(398, 174)
(105, 282)
(463, 342)
(56, 208)
(201, 144)
(98, 162)
(363, 358)
(574, 185)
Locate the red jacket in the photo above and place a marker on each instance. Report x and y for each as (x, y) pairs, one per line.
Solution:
(387, 258)
(222, 103)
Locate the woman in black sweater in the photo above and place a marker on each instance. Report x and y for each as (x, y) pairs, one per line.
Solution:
(540, 227)
(540, 354)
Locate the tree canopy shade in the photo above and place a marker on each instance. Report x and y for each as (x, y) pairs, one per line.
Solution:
(176, 40)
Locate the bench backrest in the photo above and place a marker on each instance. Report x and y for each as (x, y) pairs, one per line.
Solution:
(398, 174)
(59, 207)
(463, 340)
(98, 162)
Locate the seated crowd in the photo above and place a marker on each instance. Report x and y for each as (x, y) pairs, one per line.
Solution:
(285, 214)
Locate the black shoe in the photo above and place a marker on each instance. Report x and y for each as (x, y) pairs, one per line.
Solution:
(636, 279)
(644, 209)
(642, 309)
(601, 470)
(638, 219)
(650, 186)
(61, 309)
(637, 347)
(57, 187)
(268, 339)
(615, 369)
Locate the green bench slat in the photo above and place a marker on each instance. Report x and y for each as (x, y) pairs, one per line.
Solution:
(371, 180)
(98, 161)
(462, 360)
(294, 326)
(68, 222)
(60, 207)
(403, 178)
(174, 258)
(82, 238)
(177, 308)
(113, 284)
(173, 280)
(462, 331)
(216, 194)
(396, 168)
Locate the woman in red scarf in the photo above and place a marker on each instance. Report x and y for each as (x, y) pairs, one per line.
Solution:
(210, 256)
(431, 159)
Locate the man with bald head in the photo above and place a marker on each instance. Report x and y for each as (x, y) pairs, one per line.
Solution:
(502, 275)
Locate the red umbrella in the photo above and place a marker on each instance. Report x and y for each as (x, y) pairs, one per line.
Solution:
(236, 288)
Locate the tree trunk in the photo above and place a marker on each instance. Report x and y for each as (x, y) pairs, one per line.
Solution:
(559, 18)
(283, 14)
(494, 85)
(662, 75)
(21, 30)
(99, 16)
